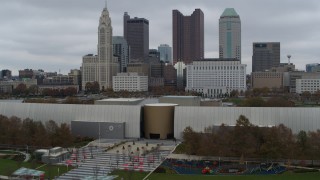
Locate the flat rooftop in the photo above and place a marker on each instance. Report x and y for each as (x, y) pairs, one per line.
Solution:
(121, 100)
(185, 97)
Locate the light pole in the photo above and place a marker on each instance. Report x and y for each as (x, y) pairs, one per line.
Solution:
(117, 158)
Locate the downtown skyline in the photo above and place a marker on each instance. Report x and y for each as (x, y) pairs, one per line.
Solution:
(54, 35)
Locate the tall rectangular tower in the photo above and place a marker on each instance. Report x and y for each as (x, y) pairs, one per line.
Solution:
(136, 32)
(122, 51)
(187, 36)
(105, 54)
(265, 56)
(102, 67)
(165, 53)
(230, 34)
(126, 17)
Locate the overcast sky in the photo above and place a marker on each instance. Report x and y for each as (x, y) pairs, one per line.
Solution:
(53, 35)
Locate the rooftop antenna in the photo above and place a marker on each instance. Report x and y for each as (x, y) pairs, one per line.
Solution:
(289, 56)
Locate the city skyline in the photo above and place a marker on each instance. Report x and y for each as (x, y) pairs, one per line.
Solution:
(54, 35)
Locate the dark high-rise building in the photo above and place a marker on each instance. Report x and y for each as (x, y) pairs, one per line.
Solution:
(170, 76)
(26, 73)
(154, 53)
(265, 56)
(136, 32)
(5, 74)
(126, 17)
(188, 36)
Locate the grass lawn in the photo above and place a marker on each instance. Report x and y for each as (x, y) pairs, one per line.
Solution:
(7, 167)
(8, 152)
(132, 175)
(236, 101)
(286, 176)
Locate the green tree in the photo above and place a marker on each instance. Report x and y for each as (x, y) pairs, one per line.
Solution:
(316, 96)
(242, 142)
(92, 87)
(191, 140)
(305, 96)
(302, 140)
(33, 89)
(21, 89)
(70, 91)
(265, 91)
(243, 121)
(278, 102)
(234, 93)
(52, 131)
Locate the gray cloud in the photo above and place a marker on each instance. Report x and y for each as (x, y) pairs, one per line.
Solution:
(55, 34)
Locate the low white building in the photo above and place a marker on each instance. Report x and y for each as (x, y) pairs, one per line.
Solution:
(216, 77)
(310, 85)
(130, 82)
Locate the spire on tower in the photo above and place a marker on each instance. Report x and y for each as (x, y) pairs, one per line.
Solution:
(106, 4)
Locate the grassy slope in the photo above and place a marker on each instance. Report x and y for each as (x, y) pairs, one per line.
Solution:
(7, 167)
(309, 176)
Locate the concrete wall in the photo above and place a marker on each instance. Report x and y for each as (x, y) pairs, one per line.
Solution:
(307, 119)
(104, 130)
(65, 113)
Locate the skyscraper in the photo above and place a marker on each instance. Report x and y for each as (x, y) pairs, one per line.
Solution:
(122, 51)
(314, 67)
(230, 34)
(165, 53)
(188, 36)
(126, 17)
(265, 56)
(101, 68)
(136, 32)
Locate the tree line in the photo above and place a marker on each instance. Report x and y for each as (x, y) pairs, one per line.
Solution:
(248, 140)
(23, 90)
(15, 131)
(269, 102)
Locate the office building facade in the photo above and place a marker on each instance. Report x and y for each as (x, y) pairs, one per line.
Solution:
(121, 50)
(130, 82)
(265, 56)
(315, 67)
(165, 53)
(136, 32)
(230, 34)
(187, 36)
(216, 77)
(271, 80)
(5, 74)
(307, 85)
(290, 79)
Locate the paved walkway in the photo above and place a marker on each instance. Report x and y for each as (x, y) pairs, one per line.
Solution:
(4, 177)
(95, 161)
